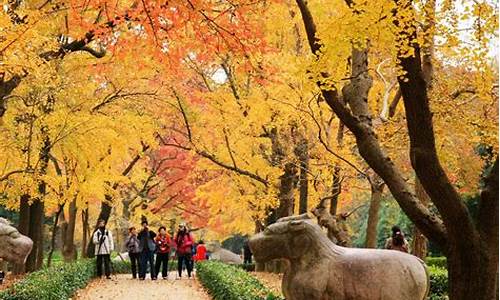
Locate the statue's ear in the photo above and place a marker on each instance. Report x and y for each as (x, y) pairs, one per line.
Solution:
(296, 225)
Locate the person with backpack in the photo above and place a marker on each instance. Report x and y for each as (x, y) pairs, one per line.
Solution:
(147, 248)
(103, 241)
(132, 245)
(163, 243)
(183, 242)
(397, 241)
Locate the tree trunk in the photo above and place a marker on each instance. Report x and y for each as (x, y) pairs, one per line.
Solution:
(37, 211)
(35, 259)
(419, 244)
(69, 249)
(85, 231)
(377, 188)
(54, 234)
(302, 151)
(336, 190)
(286, 195)
(23, 228)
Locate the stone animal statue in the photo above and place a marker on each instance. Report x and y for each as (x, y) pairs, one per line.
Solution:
(221, 254)
(320, 270)
(15, 247)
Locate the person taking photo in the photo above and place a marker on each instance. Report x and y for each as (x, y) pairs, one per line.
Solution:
(103, 241)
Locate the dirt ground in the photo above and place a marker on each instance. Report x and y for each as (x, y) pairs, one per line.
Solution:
(123, 287)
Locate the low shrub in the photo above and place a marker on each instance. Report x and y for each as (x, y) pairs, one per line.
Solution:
(439, 261)
(439, 283)
(226, 282)
(55, 283)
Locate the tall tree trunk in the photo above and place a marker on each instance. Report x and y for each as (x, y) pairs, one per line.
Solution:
(302, 152)
(37, 211)
(377, 188)
(54, 234)
(23, 227)
(419, 245)
(85, 231)
(336, 190)
(69, 249)
(286, 191)
(35, 259)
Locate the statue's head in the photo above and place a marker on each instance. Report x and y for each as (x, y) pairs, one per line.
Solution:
(288, 238)
(15, 246)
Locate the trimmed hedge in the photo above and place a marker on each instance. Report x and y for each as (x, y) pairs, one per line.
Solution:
(55, 283)
(439, 261)
(439, 283)
(226, 282)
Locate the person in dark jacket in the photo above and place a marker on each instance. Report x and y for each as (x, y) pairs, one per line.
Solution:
(132, 245)
(163, 243)
(147, 249)
(397, 241)
(183, 243)
(247, 253)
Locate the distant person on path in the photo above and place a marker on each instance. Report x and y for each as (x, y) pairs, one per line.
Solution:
(183, 242)
(147, 248)
(397, 241)
(247, 253)
(163, 243)
(103, 241)
(201, 251)
(132, 245)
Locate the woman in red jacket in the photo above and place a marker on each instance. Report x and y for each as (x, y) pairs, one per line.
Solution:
(183, 242)
(163, 243)
(201, 252)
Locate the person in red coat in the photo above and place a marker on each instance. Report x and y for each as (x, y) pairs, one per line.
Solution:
(183, 243)
(201, 252)
(163, 243)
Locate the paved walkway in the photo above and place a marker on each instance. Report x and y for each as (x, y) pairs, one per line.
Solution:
(122, 287)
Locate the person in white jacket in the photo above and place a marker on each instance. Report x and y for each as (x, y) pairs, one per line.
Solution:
(103, 241)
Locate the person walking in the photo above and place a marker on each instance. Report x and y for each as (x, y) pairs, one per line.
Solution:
(132, 245)
(183, 242)
(397, 241)
(103, 241)
(201, 252)
(163, 243)
(247, 253)
(147, 249)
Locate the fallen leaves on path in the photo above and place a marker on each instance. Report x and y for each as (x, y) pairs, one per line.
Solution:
(123, 287)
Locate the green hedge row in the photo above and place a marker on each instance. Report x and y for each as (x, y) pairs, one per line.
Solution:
(439, 261)
(226, 282)
(61, 281)
(439, 283)
(55, 283)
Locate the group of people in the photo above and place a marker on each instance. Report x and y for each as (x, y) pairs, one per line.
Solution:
(149, 249)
